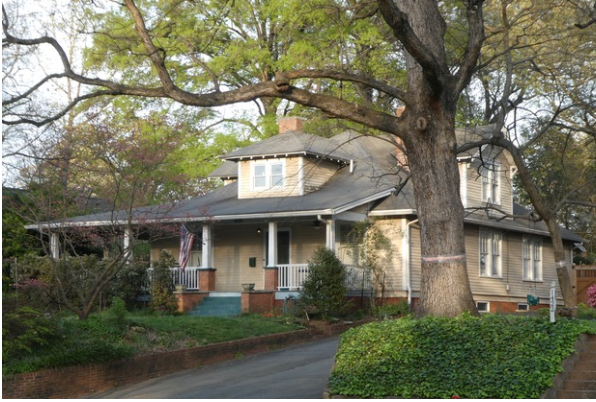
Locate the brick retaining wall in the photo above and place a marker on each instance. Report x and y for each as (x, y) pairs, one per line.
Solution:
(78, 381)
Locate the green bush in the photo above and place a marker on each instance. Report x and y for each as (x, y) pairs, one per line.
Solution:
(391, 310)
(325, 287)
(118, 311)
(585, 311)
(489, 357)
(23, 329)
(162, 285)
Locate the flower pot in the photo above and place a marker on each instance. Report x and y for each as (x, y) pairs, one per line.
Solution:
(248, 287)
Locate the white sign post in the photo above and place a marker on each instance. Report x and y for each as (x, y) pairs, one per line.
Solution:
(553, 301)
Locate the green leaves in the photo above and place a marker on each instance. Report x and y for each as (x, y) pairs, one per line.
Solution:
(488, 357)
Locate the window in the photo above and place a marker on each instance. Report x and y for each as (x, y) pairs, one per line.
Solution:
(523, 307)
(532, 258)
(490, 183)
(483, 307)
(268, 175)
(490, 254)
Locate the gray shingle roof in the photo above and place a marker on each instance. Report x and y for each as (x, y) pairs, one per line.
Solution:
(374, 178)
(290, 143)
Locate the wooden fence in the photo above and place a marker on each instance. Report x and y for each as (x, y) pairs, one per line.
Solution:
(585, 276)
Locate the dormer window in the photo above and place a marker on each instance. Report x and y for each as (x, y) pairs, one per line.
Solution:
(268, 174)
(490, 183)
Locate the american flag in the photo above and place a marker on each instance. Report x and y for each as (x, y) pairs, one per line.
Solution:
(186, 240)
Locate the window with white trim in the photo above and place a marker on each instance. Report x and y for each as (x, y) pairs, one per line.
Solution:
(532, 258)
(490, 183)
(268, 174)
(483, 307)
(490, 253)
(523, 307)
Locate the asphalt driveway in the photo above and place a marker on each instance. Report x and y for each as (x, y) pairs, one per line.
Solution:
(296, 372)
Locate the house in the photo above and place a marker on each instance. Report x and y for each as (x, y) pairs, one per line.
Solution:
(287, 195)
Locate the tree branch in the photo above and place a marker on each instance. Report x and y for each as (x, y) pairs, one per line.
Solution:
(398, 21)
(475, 41)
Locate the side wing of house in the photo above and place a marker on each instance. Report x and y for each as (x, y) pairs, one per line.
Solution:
(486, 181)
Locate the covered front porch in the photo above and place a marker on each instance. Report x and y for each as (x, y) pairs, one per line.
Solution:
(228, 254)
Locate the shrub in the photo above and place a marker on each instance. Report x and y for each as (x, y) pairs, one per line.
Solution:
(325, 287)
(23, 328)
(391, 310)
(118, 311)
(586, 312)
(592, 296)
(131, 284)
(489, 357)
(162, 285)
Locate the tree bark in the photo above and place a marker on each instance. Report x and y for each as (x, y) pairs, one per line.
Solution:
(432, 157)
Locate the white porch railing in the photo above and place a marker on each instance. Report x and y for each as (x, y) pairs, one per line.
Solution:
(190, 277)
(292, 276)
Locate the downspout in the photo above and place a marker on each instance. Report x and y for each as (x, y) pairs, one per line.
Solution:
(406, 256)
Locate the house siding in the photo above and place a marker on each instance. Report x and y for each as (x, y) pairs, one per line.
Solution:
(302, 176)
(473, 180)
(316, 173)
(509, 287)
(390, 275)
(304, 241)
(291, 181)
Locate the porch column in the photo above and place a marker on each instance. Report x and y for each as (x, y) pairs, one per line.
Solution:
(207, 250)
(330, 234)
(127, 244)
(272, 254)
(54, 245)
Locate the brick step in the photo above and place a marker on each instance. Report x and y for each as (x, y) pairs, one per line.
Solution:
(579, 386)
(582, 375)
(576, 395)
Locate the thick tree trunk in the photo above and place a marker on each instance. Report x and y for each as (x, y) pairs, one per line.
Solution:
(445, 287)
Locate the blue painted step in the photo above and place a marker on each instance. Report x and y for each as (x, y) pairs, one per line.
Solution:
(218, 307)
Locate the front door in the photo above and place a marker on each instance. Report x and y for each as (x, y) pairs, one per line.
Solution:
(283, 247)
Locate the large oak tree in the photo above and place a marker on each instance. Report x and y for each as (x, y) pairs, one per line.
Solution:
(433, 47)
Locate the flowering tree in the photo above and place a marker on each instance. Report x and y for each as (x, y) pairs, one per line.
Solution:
(592, 296)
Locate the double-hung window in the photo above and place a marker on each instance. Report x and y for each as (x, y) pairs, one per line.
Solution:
(490, 253)
(268, 174)
(532, 258)
(490, 182)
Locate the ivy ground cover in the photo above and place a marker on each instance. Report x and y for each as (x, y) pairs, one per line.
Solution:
(468, 357)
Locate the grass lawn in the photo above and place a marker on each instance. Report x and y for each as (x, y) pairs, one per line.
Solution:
(103, 337)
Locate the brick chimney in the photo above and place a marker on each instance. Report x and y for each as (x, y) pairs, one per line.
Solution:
(290, 124)
(400, 155)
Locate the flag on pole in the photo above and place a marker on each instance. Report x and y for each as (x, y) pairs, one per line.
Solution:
(186, 240)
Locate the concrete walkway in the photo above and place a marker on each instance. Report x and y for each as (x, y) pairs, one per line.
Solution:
(296, 372)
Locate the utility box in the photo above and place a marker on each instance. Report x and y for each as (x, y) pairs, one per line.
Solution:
(252, 262)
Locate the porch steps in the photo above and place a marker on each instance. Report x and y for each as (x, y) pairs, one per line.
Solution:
(210, 306)
(581, 381)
